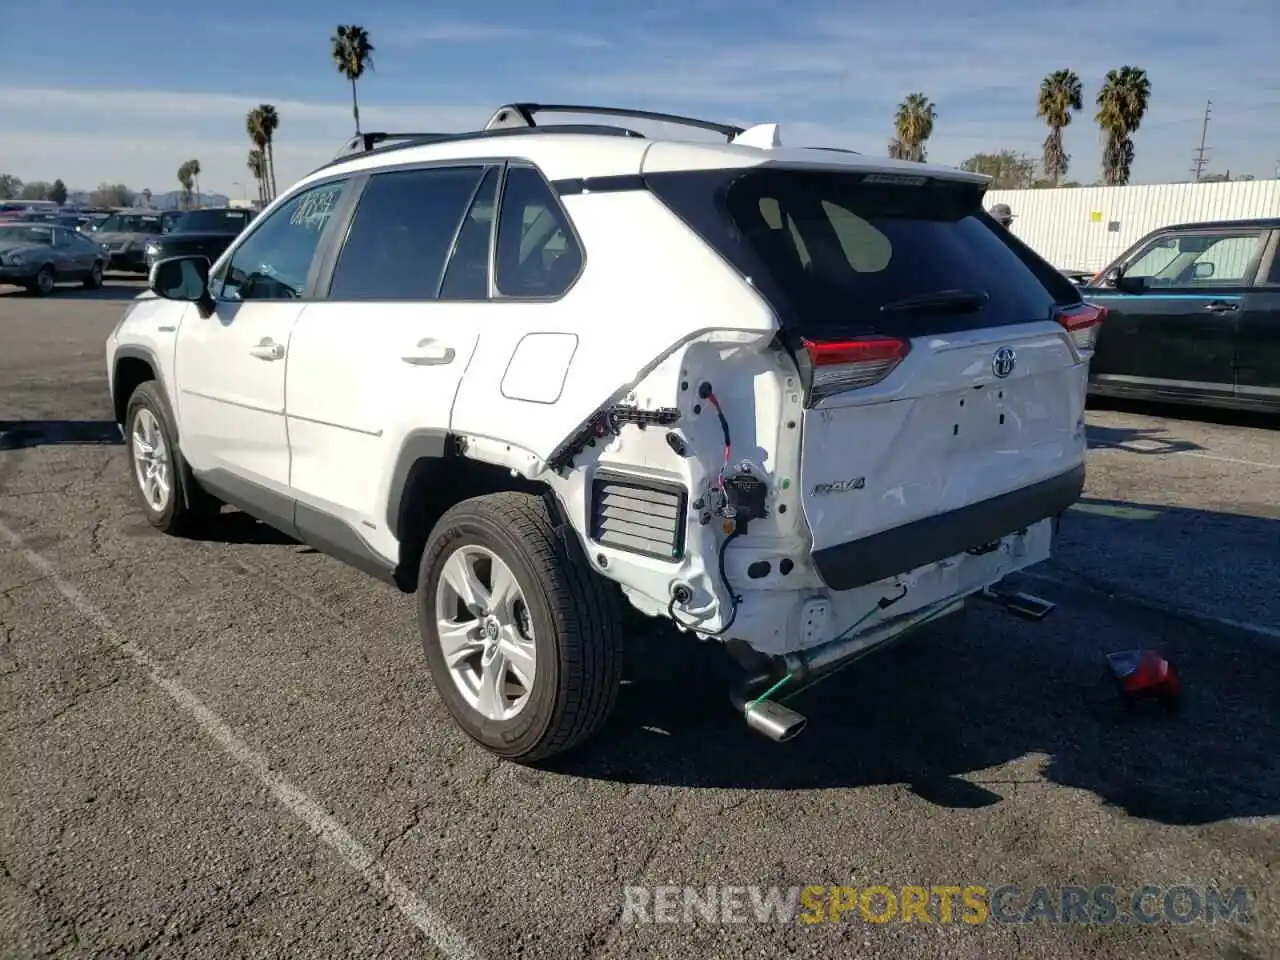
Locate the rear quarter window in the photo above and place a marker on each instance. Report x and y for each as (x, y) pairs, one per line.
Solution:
(830, 249)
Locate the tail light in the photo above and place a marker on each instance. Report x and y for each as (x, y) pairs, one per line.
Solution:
(1082, 323)
(837, 366)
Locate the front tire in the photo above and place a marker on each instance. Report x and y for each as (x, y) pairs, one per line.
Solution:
(169, 495)
(94, 280)
(523, 639)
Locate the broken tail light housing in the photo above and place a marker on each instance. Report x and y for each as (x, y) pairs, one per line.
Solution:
(834, 366)
(1082, 323)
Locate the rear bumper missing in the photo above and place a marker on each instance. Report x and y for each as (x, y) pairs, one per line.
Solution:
(913, 545)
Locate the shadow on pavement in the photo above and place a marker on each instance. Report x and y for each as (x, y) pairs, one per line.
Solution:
(111, 290)
(1140, 440)
(21, 434)
(939, 708)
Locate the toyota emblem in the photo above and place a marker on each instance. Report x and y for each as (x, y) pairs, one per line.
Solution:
(1003, 362)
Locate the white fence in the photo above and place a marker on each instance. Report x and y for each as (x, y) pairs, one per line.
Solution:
(1085, 228)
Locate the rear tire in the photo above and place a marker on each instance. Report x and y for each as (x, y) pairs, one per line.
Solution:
(44, 282)
(169, 495)
(564, 638)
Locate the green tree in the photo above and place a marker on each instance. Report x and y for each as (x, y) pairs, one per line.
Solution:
(1122, 103)
(195, 178)
(1007, 169)
(187, 180)
(352, 55)
(10, 186)
(58, 192)
(146, 196)
(35, 190)
(1060, 96)
(111, 195)
(913, 125)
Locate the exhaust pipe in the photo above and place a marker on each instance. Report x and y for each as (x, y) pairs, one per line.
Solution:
(775, 721)
(780, 723)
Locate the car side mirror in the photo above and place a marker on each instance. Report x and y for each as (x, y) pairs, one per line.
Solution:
(1202, 271)
(1130, 284)
(181, 278)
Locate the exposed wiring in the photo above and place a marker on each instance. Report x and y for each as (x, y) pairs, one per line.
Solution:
(734, 598)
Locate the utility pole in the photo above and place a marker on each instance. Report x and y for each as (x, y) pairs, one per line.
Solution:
(1198, 164)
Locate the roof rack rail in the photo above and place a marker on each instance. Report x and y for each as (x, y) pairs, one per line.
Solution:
(367, 142)
(520, 115)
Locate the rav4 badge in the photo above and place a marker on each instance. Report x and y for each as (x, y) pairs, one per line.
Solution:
(839, 486)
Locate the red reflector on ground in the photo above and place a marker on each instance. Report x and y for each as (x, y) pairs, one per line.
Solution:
(1145, 674)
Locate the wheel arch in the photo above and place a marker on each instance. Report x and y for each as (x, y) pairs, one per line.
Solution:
(432, 474)
(131, 367)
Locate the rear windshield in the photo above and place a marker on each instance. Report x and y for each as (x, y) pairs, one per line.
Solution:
(830, 249)
(208, 221)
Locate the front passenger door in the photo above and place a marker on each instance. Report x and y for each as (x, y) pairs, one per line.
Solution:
(1182, 326)
(230, 365)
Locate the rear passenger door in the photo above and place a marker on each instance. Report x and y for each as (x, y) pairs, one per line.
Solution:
(375, 362)
(1258, 336)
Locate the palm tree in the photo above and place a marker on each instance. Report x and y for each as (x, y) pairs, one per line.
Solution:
(1122, 103)
(255, 126)
(185, 178)
(352, 53)
(257, 164)
(914, 125)
(270, 122)
(195, 177)
(897, 149)
(1059, 98)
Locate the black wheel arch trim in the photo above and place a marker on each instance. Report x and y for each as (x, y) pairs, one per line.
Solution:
(913, 545)
(423, 444)
(149, 357)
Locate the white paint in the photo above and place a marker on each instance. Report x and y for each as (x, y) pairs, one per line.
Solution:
(328, 830)
(1256, 629)
(1247, 463)
(1060, 225)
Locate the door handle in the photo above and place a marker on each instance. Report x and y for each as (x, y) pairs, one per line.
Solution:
(429, 353)
(1221, 306)
(268, 349)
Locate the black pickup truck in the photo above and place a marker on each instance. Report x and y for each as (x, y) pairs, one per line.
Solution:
(1193, 316)
(204, 233)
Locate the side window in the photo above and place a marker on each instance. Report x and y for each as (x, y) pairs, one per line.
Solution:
(60, 238)
(1191, 260)
(401, 234)
(1150, 260)
(273, 261)
(537, 254)
(1275, 270)
(467, 276)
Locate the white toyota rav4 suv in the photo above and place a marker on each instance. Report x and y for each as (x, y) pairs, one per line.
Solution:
(799, 400)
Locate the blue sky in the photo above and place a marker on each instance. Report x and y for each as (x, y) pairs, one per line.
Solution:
(124, 91)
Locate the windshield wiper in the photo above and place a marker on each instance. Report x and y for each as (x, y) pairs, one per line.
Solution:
(939, 301)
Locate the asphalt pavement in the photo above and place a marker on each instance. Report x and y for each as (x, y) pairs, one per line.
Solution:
(231, 747)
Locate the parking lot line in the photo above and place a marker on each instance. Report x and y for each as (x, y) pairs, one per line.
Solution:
(1210, 456)
(328, 830)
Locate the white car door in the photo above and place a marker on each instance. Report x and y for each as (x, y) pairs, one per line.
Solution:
(230, 363)
(380, 354)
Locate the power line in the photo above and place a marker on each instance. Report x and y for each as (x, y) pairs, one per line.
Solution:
(1198, 163)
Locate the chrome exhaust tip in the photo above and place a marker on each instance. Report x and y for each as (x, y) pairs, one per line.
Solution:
(773, 720)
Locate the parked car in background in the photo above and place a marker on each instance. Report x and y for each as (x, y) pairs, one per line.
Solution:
(126, 233)
(39, 256)
(1078, 277)
(1193, 316)
(204, 233)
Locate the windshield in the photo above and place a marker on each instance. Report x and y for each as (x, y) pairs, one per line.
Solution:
(10, 235)
(130, 223)
(846, 251)
(210, 221)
